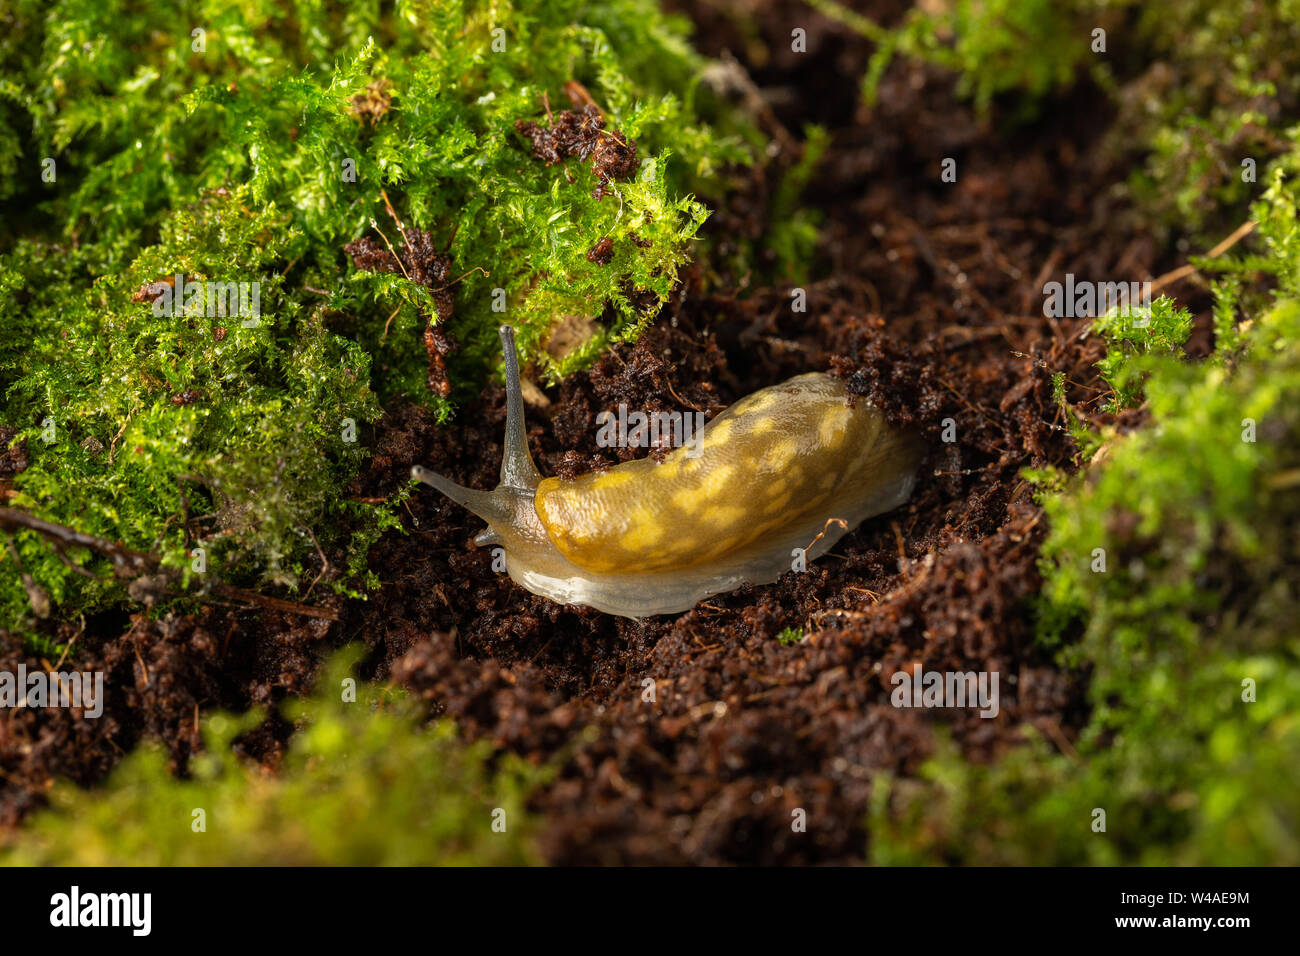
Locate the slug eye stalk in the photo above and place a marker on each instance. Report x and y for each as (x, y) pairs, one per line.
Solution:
(518, 473)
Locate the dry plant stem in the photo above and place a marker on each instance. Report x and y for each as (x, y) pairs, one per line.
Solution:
(1183, 271)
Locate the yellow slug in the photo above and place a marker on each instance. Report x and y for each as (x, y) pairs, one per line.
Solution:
(778, 477)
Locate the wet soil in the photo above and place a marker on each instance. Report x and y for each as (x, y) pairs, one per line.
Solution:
(693, 738)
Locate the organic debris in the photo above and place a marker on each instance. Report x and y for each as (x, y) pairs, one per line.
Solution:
(582, 133)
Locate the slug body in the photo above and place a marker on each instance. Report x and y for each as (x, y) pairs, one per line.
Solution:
(789, 469)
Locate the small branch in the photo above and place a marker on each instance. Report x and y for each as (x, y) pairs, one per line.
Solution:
(486, 275)
(275, 604)
(1183, 271)
(578, 96)
(125, 561)
(324, 561)
(400, 227)
(757, 103)
(374, 225)
(130, 564)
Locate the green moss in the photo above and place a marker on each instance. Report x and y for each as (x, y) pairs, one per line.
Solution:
(227, 155)
(1134, 333)
(1210, 111)
(363, 783)
(140, 122)
(137, 420)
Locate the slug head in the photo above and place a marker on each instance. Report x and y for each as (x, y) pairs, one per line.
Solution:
(508, 508)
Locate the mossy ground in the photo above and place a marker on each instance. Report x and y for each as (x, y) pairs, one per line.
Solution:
(1175, 557)
(228, 163)
(1169, 570)
(250, 141)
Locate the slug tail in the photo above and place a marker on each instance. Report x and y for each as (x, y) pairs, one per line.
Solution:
(517, 468)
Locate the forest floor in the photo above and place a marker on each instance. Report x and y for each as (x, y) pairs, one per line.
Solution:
(926, 299)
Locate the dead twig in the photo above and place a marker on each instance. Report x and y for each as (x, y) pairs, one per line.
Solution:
(1183, 271)
(128, 563)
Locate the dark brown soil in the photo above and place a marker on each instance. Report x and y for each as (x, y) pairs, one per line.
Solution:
(927, 301)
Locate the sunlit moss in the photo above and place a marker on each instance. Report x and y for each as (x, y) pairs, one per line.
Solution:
(250, 140)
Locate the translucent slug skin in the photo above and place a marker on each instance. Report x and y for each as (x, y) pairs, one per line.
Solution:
(768, 476)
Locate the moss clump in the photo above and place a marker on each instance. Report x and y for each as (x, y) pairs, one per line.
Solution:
(240, 425)
(1175, 559)
(363, 783)
(1219, 86)
(318, 113)
(247, 141)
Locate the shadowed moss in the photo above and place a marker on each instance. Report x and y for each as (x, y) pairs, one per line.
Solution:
(1201, 90)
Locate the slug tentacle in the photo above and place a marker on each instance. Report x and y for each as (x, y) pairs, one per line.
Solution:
(782, 474)
(482, 503)
(517, 468)
(519, 476)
